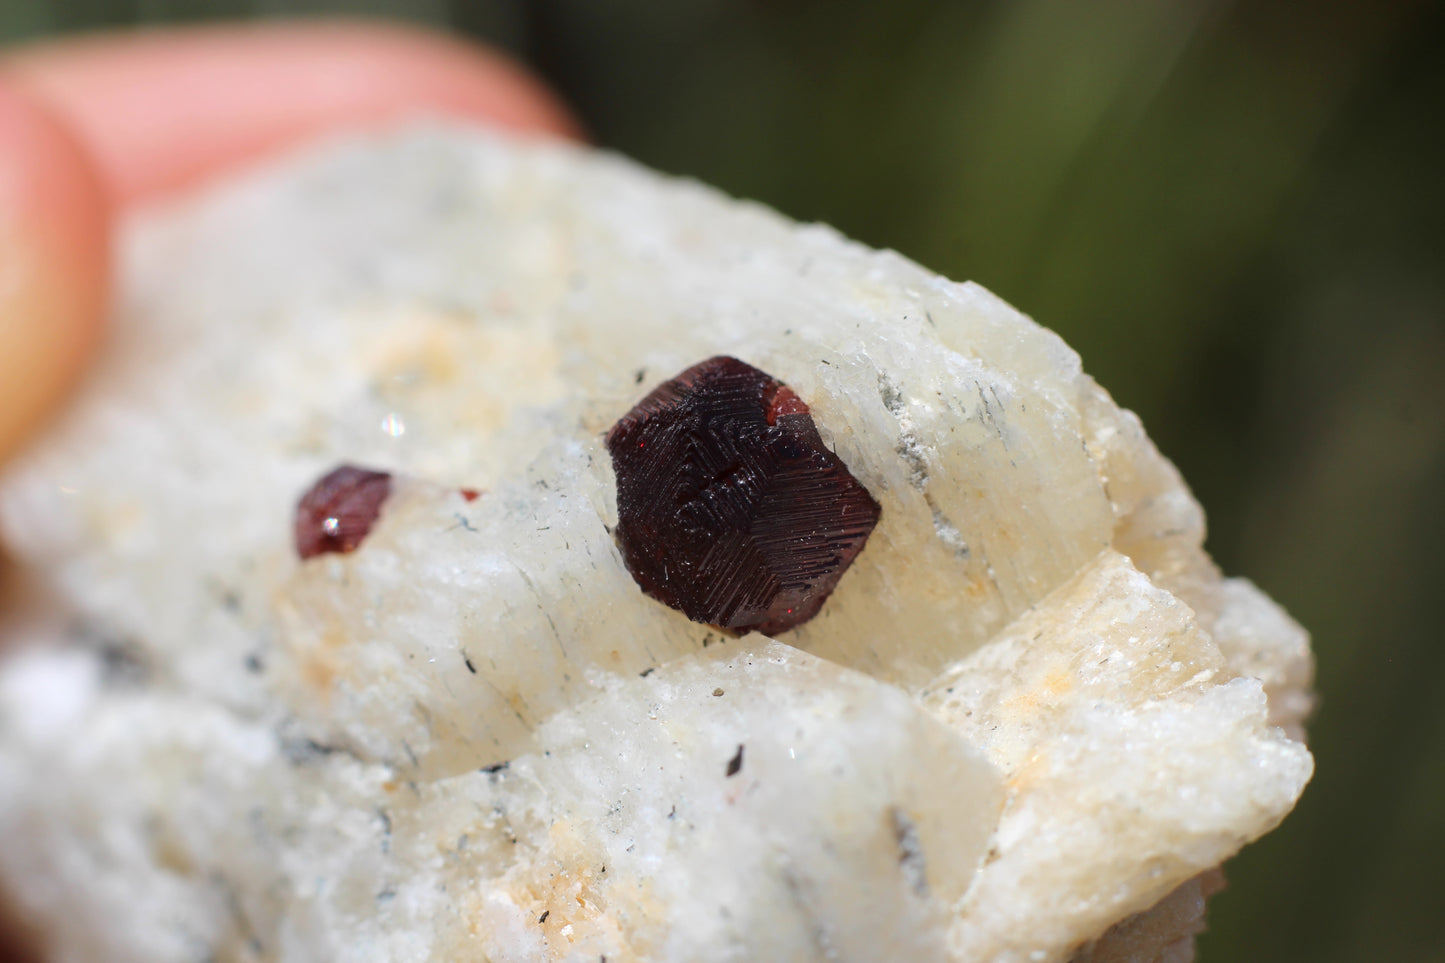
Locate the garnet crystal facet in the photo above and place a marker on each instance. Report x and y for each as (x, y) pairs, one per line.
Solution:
(729, 506)
(339, 510)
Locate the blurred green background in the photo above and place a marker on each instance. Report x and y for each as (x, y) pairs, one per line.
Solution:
(1233, 210)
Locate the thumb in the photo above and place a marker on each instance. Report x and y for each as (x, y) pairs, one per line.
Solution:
(54, 262)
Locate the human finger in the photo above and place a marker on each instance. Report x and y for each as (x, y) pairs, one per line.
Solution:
(54, 262)
(160, 110)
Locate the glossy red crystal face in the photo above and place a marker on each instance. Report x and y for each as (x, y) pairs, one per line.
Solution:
(337, 513)
(729, 506)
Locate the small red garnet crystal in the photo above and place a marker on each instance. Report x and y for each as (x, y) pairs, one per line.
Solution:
(729, 506)
(338, 511)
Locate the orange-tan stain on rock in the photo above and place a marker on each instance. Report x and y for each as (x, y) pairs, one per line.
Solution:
(318, 669)
(319, 664)
(1022, 780)
(1041, 697)
(978, 588)
(582, 907)
(414, 356)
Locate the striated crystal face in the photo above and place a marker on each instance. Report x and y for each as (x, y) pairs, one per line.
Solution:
(338, 511)
(730, 508)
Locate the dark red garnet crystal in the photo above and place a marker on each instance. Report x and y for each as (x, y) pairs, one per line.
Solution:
(729, 506)
(339, 510)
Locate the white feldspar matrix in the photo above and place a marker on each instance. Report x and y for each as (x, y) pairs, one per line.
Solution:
(1030, 710)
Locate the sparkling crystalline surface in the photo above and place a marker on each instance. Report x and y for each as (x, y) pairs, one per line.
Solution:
(338, 511)
(730, 508)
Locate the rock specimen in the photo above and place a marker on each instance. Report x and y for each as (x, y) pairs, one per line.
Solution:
(1030, 710)
(729, 506)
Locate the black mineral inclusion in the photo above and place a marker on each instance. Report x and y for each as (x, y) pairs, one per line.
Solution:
(729, 506)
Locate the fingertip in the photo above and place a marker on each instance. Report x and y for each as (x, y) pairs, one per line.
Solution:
(162, 109)
(54, 258)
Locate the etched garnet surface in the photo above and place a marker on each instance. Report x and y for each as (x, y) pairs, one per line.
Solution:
(729, 506)
(338, 511)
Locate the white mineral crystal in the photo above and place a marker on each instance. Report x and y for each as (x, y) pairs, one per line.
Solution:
(1031, 711)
